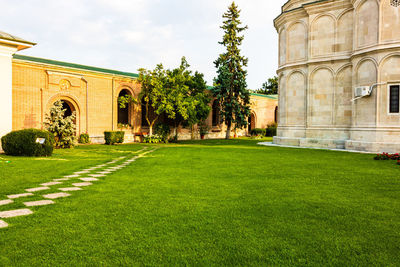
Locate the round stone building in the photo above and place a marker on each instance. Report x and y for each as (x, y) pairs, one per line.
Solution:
(339, 74)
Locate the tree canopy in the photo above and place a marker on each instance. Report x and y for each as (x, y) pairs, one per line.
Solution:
(270, 87)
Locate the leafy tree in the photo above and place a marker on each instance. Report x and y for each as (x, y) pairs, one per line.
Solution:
(230, 84)
(187, 97)
(125, 100)
(154, 93)
(270, 87)
(62, 127)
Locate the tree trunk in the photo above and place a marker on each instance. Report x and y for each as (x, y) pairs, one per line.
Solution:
(192, 132)
(228, 129)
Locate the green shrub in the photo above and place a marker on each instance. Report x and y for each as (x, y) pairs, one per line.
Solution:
(120, 136)
(271, 130)
(114, 137)
(152, 139)
(162, 130)
(26, 143)
(63, 128)
(257, 132)
(84, 139)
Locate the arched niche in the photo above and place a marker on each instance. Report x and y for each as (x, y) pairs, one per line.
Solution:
(297, 42)
(344, 41)
(125, 113)
(295, 91)
(282, 47)
(321, 97)
(323, 36)
(70, 105)
(389, 75)
(282, 100)
(343, 96)
(365, 108)
(390, 22)
(367, 14)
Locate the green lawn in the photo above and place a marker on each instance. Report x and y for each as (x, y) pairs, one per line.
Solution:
(207, 203)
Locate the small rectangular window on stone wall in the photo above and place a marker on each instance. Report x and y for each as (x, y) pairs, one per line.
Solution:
(394, 99)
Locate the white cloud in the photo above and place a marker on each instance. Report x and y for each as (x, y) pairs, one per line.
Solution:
(129, 34)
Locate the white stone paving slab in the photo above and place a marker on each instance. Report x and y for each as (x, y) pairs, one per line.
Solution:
(3, 224)
(51, 183)
(61, 179)
(81, 172)
(56, 195)
(6, 201)
(20, 195)
(97, 175)
(82, 184)
(104, 172)
(38, 203)
(102, 165)
(72, 176)
(37, 189)
(88, 179)
(15, 213)
(66, 189)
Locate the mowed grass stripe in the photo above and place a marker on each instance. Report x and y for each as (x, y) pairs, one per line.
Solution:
(221, 203)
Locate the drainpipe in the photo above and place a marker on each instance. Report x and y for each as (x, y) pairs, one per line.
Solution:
(87, 105)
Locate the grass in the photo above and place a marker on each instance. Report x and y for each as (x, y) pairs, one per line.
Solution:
(211, 202)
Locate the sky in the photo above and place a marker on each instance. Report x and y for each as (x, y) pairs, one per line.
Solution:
(127, 35)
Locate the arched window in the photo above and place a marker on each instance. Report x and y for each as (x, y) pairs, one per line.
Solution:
(216, 121)
(276, 115)
(69, 108)
(123, 112)
(144, 112)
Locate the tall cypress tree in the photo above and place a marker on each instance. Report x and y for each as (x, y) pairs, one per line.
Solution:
(230, 87)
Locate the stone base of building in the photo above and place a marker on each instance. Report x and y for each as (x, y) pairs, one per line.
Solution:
(361, 146)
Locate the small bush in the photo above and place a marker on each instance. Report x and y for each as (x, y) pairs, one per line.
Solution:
(271, 130)
(162, 130)
(387, 156)
(114, 137)
(120, 136)
(257, 132)
(26, 143)
(84, 139)
(153, 139)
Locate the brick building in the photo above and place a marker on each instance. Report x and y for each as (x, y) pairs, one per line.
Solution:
(30, 86)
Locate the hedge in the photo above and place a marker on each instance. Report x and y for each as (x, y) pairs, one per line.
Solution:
(26, 143)
(257, 132)
(84, 139)
(114, 137)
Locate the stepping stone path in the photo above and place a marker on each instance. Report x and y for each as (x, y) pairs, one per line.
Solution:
(97, 175)
(6, 201)
(77, 186)
(38, 203)
(15, 213)
(37, 189)
(61, 179)
(88, 179)
(82, 184)
(56, 195)
(20, 195)
(51, 183)
(3, 224)
(72, 176)
(70, 189)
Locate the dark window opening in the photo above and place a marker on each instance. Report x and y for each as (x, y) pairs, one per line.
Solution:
(215, 114)
(123, 113)
(276, 115)
(144, 112)
(67, 107)
(394, 99)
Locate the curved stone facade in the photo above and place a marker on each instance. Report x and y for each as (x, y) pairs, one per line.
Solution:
(326, 49)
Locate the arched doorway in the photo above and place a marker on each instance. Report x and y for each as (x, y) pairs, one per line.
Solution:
(124, 116)
(68, 107)
(216, 121)
(252, 122)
